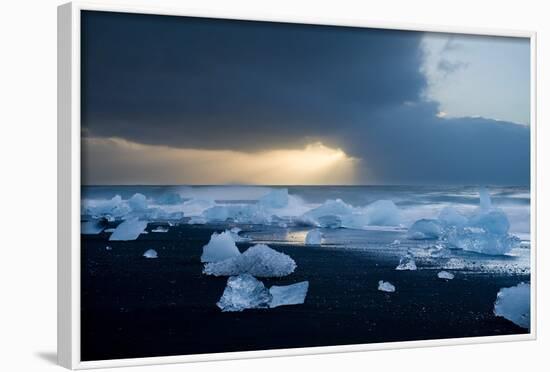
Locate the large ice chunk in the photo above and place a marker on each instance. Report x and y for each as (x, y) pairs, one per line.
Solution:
(277, 198)
(478, 240)
(293, 294)
(385, 286)
(244, 292)
(514, 304)
(259, 260)
(129, 229)
(425, 229)
(220, 247)
(314, 237)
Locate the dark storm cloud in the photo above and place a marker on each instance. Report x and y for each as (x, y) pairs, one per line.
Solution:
(193, 82)
(218, 84)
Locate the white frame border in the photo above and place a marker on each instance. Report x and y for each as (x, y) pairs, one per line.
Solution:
(69, 137)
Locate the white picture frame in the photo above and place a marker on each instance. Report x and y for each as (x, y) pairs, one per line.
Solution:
(69, 137)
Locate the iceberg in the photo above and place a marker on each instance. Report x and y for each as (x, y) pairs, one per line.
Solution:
(196, 207)
(480, 241)
(243, 213)
(220, 247)
(138, 202)
(108, 248)
(425, 229)
(150, 253)
(160, 229)
(445, 275)
(493, 222)
(293, 294)
(277, 198)
(514, 304)
(129, 229)
(485, 232)
(244, 292)
(451, 217)
(382, 213)
(385, 286)
(406, 263)
(114, 207)
(327, 215)
(258, 260)
(314, 237)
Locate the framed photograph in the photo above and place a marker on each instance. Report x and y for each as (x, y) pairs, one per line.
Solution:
(235, 186)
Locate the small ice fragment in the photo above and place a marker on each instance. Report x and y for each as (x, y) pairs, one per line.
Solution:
(129, 230)
(259, 260)
(293, 294)
(220, 247)
(244, 292)
(314, 237)
(385, 286)
(406, 263)
(425, 229)
(150, 253)
(514, 304)
(396, 242)
(160, 229)
(445, 275)
(108, 248)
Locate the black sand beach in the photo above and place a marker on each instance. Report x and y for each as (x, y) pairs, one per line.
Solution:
(137, 307)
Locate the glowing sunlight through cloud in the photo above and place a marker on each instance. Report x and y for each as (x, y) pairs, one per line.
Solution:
(118, 161)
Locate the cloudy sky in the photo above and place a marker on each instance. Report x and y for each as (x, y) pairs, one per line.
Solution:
(178, 100)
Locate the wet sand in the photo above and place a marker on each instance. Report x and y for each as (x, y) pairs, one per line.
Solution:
(136, 307)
